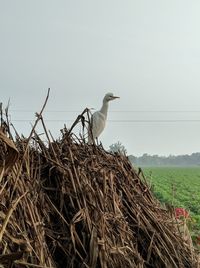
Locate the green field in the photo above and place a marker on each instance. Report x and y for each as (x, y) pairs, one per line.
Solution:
(177, 186)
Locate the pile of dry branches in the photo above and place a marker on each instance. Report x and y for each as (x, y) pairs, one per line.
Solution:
(70, 204)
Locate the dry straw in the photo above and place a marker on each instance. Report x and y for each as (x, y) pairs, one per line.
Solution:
(70, 204)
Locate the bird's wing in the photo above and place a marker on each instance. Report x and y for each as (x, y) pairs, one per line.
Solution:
(98, 123)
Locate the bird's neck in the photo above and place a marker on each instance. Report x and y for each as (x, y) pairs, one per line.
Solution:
(104, 108)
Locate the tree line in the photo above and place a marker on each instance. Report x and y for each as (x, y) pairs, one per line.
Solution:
(156, 160)
(171, 160)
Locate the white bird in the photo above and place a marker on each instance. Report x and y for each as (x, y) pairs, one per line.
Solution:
(98, 120)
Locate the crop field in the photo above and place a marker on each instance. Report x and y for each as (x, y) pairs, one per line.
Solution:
(177, 186)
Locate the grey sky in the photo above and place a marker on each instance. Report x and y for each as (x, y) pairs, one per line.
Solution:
(147, 52)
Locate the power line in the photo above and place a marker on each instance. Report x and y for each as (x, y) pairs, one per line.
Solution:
(112, 111)
(121, 121)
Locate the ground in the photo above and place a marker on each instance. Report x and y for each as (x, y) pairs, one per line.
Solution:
(180, 187)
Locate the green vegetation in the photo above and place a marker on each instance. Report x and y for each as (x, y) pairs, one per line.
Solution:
(177, 186)
(171, 160)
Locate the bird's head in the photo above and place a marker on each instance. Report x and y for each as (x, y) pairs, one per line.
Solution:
(109, 96)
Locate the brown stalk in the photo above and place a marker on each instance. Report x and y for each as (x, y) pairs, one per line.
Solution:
(76, 205)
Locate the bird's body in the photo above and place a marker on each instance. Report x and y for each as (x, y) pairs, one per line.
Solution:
(98, 123)
(98, 120)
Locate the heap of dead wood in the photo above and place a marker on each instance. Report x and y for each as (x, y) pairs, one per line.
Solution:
(69, 204)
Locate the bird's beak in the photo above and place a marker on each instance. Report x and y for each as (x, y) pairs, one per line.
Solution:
(115, 97)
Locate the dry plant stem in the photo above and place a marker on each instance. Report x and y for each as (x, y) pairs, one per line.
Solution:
(7, 119)
(11, 154)
(28, 140)
(90, 125)
(86, 208)
(77, 120)
(2, 172)
(46, 132)
(7, 218)
(32, 265)
(57, 211)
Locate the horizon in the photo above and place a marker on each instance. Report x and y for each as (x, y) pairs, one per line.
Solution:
(145, 52)
(164, 155)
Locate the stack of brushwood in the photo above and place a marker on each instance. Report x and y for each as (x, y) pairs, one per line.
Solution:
(64, 203)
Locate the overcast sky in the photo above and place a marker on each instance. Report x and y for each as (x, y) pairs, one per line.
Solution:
(146, 52)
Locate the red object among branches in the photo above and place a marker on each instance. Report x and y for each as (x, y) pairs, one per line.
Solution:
(198, 240)
(181, 213)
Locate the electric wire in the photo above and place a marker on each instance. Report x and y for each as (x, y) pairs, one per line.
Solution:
(120, 121)
(117, 120)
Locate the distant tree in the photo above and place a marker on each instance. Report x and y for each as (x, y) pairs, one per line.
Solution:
(171, 160)
(133, 159)
(118, 147)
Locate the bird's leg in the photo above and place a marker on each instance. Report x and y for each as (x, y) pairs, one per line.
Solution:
(97, 141)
